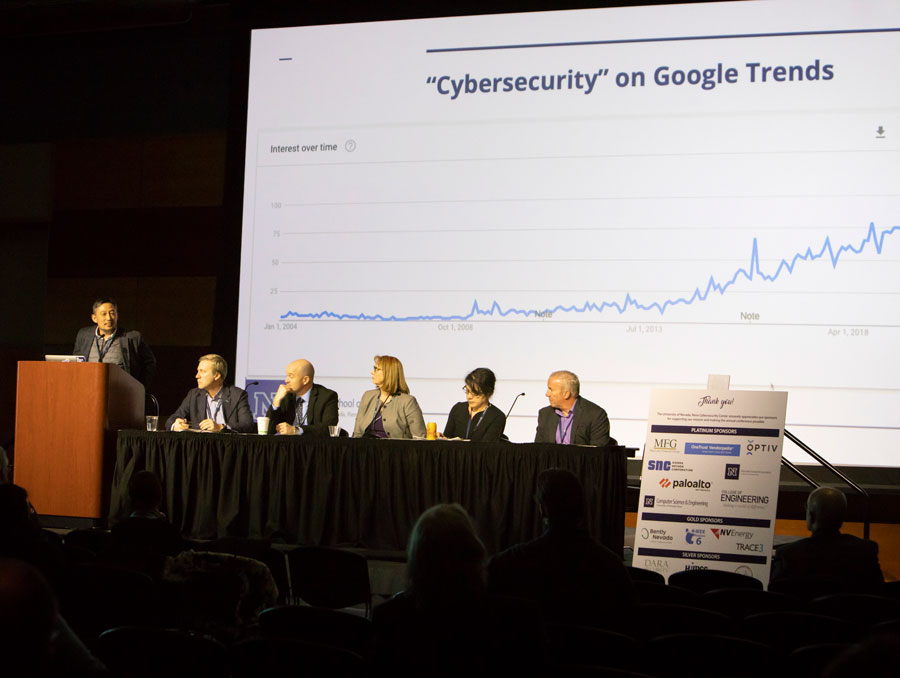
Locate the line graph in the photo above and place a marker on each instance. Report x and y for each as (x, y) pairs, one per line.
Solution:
(643, 236)
(750, 273)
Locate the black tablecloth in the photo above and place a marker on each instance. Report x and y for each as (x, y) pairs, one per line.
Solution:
(356, 492)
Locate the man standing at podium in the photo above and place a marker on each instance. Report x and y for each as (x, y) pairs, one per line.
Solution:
(106, 342)
(301, 406)
(212, 406)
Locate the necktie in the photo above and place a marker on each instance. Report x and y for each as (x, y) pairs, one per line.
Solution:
(298, 421)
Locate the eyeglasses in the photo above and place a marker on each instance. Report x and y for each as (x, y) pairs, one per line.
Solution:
(467, 390)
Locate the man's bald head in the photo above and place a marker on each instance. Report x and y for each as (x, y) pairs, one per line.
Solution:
(825, 510)
(300, 376)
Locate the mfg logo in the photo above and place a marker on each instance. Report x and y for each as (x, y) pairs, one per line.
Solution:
(665, 482)
(665, 443)
(659, 465)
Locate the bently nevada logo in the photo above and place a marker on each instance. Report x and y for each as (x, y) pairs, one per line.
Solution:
(665, 444)
(760, 447)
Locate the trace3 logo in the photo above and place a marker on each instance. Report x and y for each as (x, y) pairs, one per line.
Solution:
(659, 465)
(732, 471)
(650, 501)
(665, 482)
(694, 535)
(760, 447)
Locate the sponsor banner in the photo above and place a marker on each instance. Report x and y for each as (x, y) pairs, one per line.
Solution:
(261, 395)
(709, 485)
(701, 555)
(706, 520)
(719, 430)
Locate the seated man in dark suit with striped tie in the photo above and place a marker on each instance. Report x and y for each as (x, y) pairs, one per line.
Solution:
(301, 406)
(212, 406)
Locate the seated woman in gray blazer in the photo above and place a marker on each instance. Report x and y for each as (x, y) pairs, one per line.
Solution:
(389, 411)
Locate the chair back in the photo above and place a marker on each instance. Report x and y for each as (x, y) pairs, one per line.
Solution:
(329, 577)
(138, 652)
(702, 581)
(318, 625)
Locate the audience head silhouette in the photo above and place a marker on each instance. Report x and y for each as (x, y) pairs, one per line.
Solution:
(16, 514)
(560, 498)
(145, 491)
(446, 559)
(27, 618)
(825, 510)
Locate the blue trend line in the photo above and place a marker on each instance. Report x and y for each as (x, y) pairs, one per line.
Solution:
(749, 273)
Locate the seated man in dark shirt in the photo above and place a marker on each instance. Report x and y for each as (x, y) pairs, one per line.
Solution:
(575, 579)
(828, 555)
(144, 539)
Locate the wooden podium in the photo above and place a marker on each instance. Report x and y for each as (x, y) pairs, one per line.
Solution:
(66, 418)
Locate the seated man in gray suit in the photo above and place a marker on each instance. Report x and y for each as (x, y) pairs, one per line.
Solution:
(570, 419)
(827, 554)
(212, 406)
(302, 406)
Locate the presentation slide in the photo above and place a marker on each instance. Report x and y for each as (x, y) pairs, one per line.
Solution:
(644, 196)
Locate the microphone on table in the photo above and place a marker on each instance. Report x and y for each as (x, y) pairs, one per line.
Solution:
(514, 403)
(252, 383)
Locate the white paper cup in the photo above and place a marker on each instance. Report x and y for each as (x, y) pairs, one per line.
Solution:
(262, 425)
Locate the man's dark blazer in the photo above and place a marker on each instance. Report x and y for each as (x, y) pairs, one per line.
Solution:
(322, 411)
(590, 426)
(831, 556)
(235, 408)
(140, 362)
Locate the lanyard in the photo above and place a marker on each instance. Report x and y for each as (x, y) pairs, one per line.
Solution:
(101, 351)
(217, 403)
(562, 432)
(477, 424)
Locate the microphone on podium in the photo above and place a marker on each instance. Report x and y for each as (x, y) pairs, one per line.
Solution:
(515, 400)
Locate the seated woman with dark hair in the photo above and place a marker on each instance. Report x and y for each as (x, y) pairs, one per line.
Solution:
(476, 419)
(444, 623)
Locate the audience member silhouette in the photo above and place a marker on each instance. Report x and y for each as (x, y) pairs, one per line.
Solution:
(444, 623)
(828, 555)
(21, 536)
(575, 579)
(34, 639)
(144, 539)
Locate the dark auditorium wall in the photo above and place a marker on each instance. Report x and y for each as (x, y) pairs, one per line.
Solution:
(121, 167)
